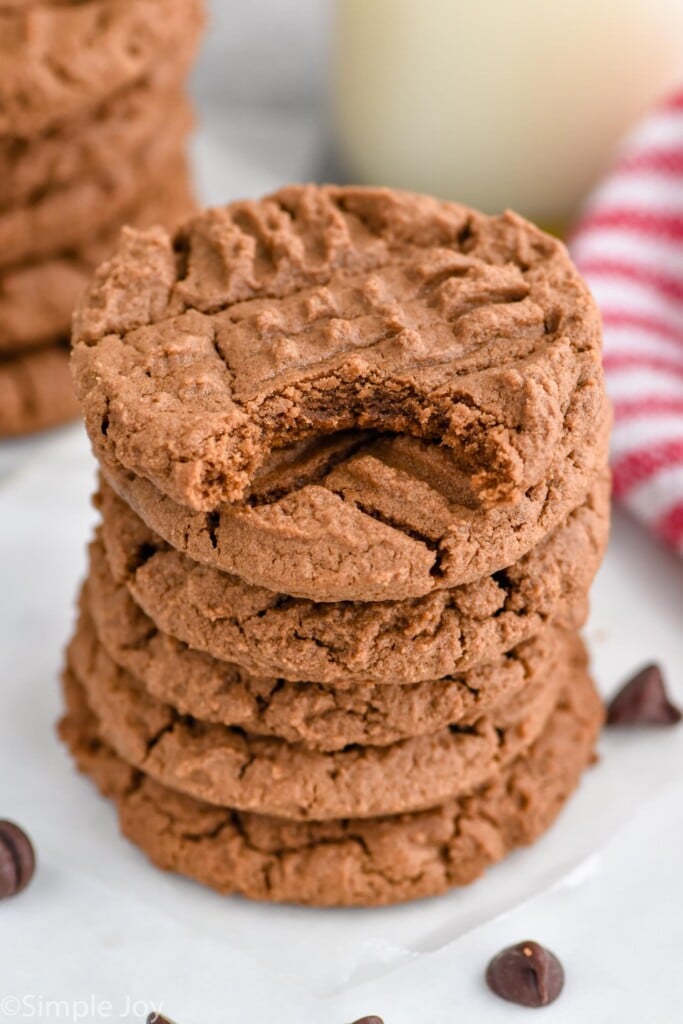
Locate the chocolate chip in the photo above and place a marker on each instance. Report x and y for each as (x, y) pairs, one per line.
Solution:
(17, 859)
(369, 1020)
(643, 700)
(526, 974)
(157, 1018)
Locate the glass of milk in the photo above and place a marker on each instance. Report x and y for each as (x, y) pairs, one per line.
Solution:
(497, 103)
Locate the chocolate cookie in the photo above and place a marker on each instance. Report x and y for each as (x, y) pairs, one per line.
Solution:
(37, 300)
(353, 862)
(425, 638)
(227, 766)
(58, 61)
(315, 715)
(365, 518)
(97, 142)
(319, 310)
(61, 219)
(36, 391)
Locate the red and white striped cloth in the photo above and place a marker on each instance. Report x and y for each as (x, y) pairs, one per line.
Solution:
(629, 246)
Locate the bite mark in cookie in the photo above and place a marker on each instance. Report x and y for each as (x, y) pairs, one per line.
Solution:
(361, 517)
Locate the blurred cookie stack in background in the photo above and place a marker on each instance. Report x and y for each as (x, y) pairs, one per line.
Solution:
(93, 131)
(354, 493)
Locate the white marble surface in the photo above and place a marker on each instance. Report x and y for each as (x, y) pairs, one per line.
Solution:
(99, 929)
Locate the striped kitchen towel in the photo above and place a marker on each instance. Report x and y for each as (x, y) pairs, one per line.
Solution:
(629, 246)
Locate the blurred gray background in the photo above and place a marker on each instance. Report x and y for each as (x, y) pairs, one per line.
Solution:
(264, 52)
(261, 88)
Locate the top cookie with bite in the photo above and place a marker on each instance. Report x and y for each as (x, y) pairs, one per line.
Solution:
(316, 310)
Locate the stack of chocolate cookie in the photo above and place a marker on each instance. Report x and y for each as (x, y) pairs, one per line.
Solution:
(354, 492)
(91, 111)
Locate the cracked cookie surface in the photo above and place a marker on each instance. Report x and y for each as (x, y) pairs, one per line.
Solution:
(324, 309)
(315, 715)
(353, 862)
(230, 767)
(426, 638)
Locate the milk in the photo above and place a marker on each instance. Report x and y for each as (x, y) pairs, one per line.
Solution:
(497, 103)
